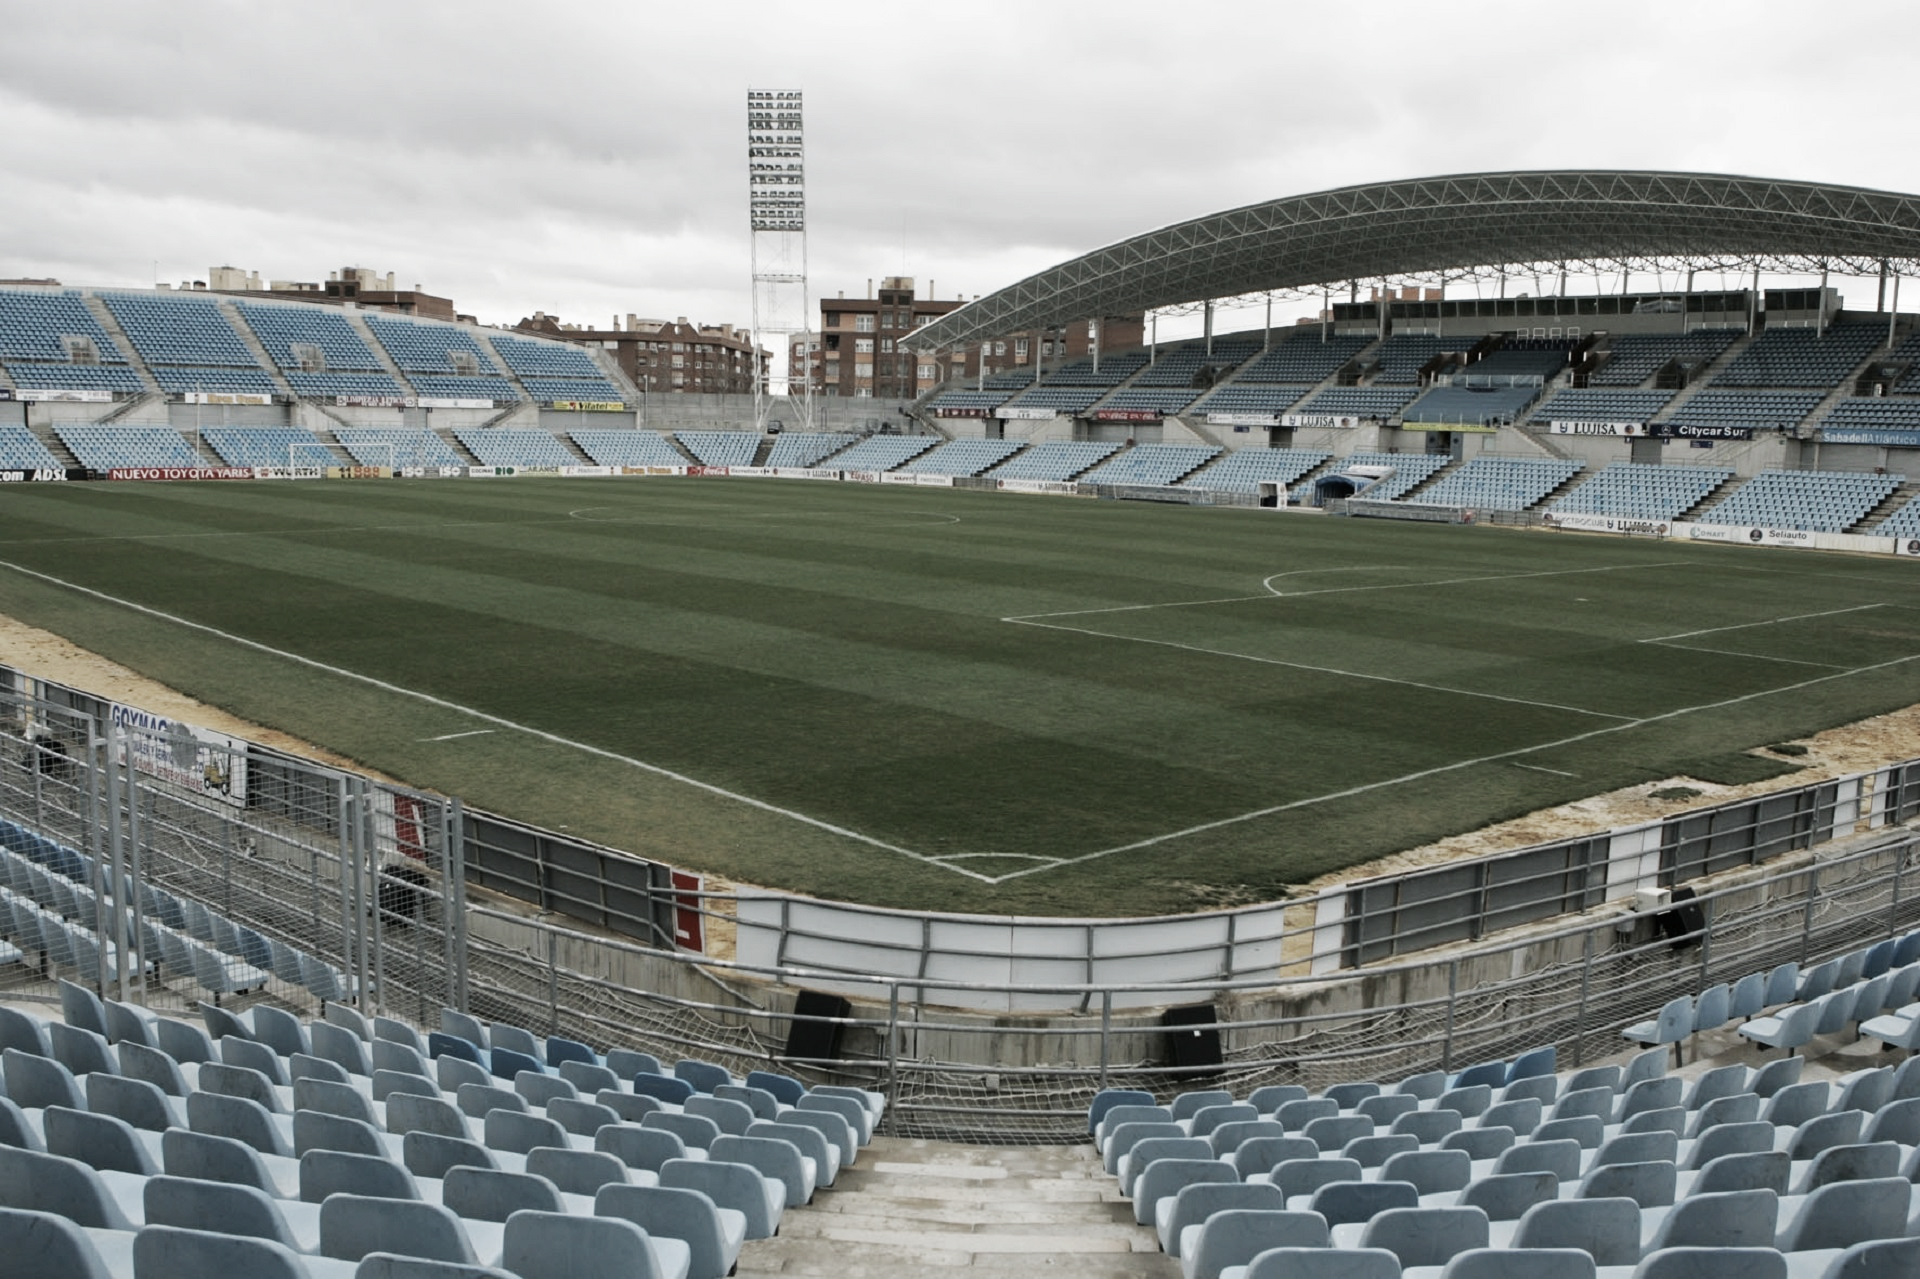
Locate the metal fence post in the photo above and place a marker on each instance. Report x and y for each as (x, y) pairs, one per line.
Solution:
(1806, 922)
(117, 854)
(1106, 1032)
(1586, 983)
(1893, 908)
(457, 863)
(1446, 1045)
(348, 967)
(96, 838)
(893, 1040)
(553, 982)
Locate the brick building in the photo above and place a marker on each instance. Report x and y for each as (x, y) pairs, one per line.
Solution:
(664, 357)
(857, 351)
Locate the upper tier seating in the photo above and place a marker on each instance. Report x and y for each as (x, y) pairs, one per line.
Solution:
(263, 445)
(1361, 401)
(330, 343)
(963, 457)
(802, 449)
(178, 330)
(1471, 405)
(76, 377)
(1876, 414)
(721, 448)
(1402, 356)
(1054, 460)
(1821, 501)
(1304, 359)
(494, 389)
(515, 447)
(1152, 399)
(177, 380)
(1113, 370)
(1244, 470)
(1501, 483)
(963, 398)
(1410, 470)
(1904, 522)
(1634, 491)
(626, 448)
(1802, 356)
(1516, 360)
(1635, 357)
(1241, 398)
(1756, 409)
(423, 347)
(1061, 399)
(34, 324)
(1153, 465)
(1600, 404)
(21, 450)
(883, 452)
(547, 359)
(548, 390)
(407, 446)
(102, 448)
(1178, 367)
(330, 384)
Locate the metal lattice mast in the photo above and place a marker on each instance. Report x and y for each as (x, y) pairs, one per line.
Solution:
(777, 222)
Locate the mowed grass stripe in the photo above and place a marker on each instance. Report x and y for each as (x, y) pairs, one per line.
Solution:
(838, 645)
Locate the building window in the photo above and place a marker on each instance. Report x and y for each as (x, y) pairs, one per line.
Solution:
(886, 346)
(1020, 347)
(928, 372)
(679, 362)
(999, 348)
(863, 323)
(863, 346)
(831, 321)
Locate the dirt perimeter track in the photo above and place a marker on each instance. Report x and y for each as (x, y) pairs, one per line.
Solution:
(1851, 748)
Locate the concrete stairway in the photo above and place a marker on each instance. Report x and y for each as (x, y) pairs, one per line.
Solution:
(928, 1208)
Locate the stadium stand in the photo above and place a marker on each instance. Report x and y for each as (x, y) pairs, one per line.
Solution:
(1525, 359)
(21, 450)
(1054, 460)
(804, 449)
(76, 377)
(549, 390)
(331, 384)
(1802, 356)
(1241, 398)
(721, 448)
(1600, 404)
(1410, 471)
(178, 330)
(176, 380)
(1402, 356)
(1904, 522)
(1062, 399)
(431, 348)
(1501, 483)
(1179, 367)
(37, 326)
(494, 389)
(547, 359)
(1303, 359)
(261, 445)
(626, 448)
(308, 338)
(1113, 370)
(1471, 405)
(963, 399)
(883, 452)
(963, 457)
(102, 448)
(1244, 470)
(1634, 357)
(396, 446)
(1820, 501)
(1759, 409)
(1880, 413)
(1151, 464)
(1151, 399)
(509, 446)
(1635, 491)
(1361, 401)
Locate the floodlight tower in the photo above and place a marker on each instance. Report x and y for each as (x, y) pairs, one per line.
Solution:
(777, 221)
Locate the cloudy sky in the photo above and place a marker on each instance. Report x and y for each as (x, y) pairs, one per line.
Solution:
(588, 160)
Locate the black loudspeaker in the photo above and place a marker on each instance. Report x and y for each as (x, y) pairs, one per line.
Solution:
(1187, 1047)
(1683, 920)
(813, 1039)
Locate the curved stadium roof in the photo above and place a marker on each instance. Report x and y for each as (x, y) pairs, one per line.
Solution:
(1427, 226)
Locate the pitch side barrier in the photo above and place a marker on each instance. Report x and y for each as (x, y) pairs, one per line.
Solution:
(308, 860)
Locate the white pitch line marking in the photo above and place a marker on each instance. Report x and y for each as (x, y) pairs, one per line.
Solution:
(1758, 657)
(1537, 768)
(448, 737)
(498, 721)
(1771, 621)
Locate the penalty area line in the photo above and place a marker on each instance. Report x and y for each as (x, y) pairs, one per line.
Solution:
(496, 720)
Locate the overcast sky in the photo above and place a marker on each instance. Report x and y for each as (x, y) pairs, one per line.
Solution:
(588, 160)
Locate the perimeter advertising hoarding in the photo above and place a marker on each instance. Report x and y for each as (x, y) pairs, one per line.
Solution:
(653, 470)
(1127, 415)
(197, 759)
(588, 406)
(33, 395)
(30, 477)
(1018, 413)
(1886, 438)
(370, 401)
(1561, 426)
(1684, 431)
(1243, 419)
(1471, 428)
(948, 410)
(224, 397)
(1331, 419)
(180, 473)
(1607, 524)
(359, 472)
(448, 402)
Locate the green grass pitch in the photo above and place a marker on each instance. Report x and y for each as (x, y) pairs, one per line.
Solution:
(961, 700)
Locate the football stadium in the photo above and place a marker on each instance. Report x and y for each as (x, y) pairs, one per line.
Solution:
(1357, 797)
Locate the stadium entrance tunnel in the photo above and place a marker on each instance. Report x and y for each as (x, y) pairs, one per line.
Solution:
(1347, 482)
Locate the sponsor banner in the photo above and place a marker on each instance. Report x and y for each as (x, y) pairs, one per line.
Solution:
(6, 393)
(588, 406)
(1749, 535)
(572, 472)
(1127, 415)
(706, 470)
(1906, 545)
(896, 477)
(1016, 413)
(370, 401)
(1470, 428)
(224, 397)
(934, 481)
(208, 763)
(750, 470)
(180, 473)
(490, 472)
(860, 477)
(287, 473)
(1419, 512)
(62, 396)
(445, 402)
(1317, 419)
(1682, 431)
(1573, 426)
(1869, 435)
(1243, 419)
(359, 472)
(805, 473)
(1608, 524)
(653, 470)
(948, 410)
(1039, 486)
(689, 925)
(43, 476)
